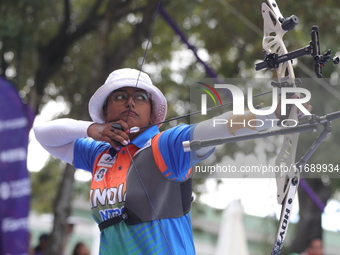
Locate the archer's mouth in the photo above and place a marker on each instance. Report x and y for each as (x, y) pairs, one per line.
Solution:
(129, 113)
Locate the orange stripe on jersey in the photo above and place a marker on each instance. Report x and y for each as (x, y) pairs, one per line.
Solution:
(157, 154)
(115, 174)
(189, 173)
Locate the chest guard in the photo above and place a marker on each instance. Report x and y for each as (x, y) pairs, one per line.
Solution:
(150, 195)
(169, 199)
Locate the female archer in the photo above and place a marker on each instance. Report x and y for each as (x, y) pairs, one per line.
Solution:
(141, 178)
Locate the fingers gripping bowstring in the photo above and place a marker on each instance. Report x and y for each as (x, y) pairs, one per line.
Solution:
(127, 149)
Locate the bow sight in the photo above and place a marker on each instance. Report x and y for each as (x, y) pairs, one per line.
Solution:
(272, 60)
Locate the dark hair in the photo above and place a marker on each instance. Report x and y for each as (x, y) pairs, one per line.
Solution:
(151, 111)
(43, 237)
(104, 109)
(311, 240)
(76, 248)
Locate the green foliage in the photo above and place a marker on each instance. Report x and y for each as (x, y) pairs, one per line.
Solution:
(226, 34)
(45, 185)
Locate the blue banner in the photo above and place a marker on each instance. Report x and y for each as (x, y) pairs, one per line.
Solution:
(15, 188)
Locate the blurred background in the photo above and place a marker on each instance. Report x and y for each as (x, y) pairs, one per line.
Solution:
(55, 54)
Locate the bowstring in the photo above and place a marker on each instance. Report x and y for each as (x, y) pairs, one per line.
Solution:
(128, 114)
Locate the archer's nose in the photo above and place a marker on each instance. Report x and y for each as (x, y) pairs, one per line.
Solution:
(130, 102)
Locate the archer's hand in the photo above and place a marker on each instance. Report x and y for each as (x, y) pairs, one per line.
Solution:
(307, 105)
(309, 108)
(105, 133)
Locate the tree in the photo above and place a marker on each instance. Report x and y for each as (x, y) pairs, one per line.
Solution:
(51, 55)
(64, 50)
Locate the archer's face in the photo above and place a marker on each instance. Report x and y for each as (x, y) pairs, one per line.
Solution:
(135, 111)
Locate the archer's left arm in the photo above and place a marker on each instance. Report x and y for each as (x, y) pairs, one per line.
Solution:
(177, 163)
(227, 125)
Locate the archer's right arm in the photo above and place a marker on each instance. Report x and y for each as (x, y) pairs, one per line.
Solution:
(58, 136)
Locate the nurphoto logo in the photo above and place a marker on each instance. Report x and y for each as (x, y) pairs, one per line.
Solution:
(238, 103)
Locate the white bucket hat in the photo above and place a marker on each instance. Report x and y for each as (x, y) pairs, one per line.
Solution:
(127, 77)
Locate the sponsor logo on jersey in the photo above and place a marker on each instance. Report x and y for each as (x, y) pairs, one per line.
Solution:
(106, 160)
(100, 173)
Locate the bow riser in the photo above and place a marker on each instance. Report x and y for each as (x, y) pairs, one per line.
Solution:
(273, 43)
(287, 182)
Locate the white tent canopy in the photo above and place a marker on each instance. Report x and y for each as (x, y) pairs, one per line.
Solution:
(232, 239)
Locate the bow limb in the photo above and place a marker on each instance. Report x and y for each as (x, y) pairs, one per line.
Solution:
(287, 182)
(273, 43)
